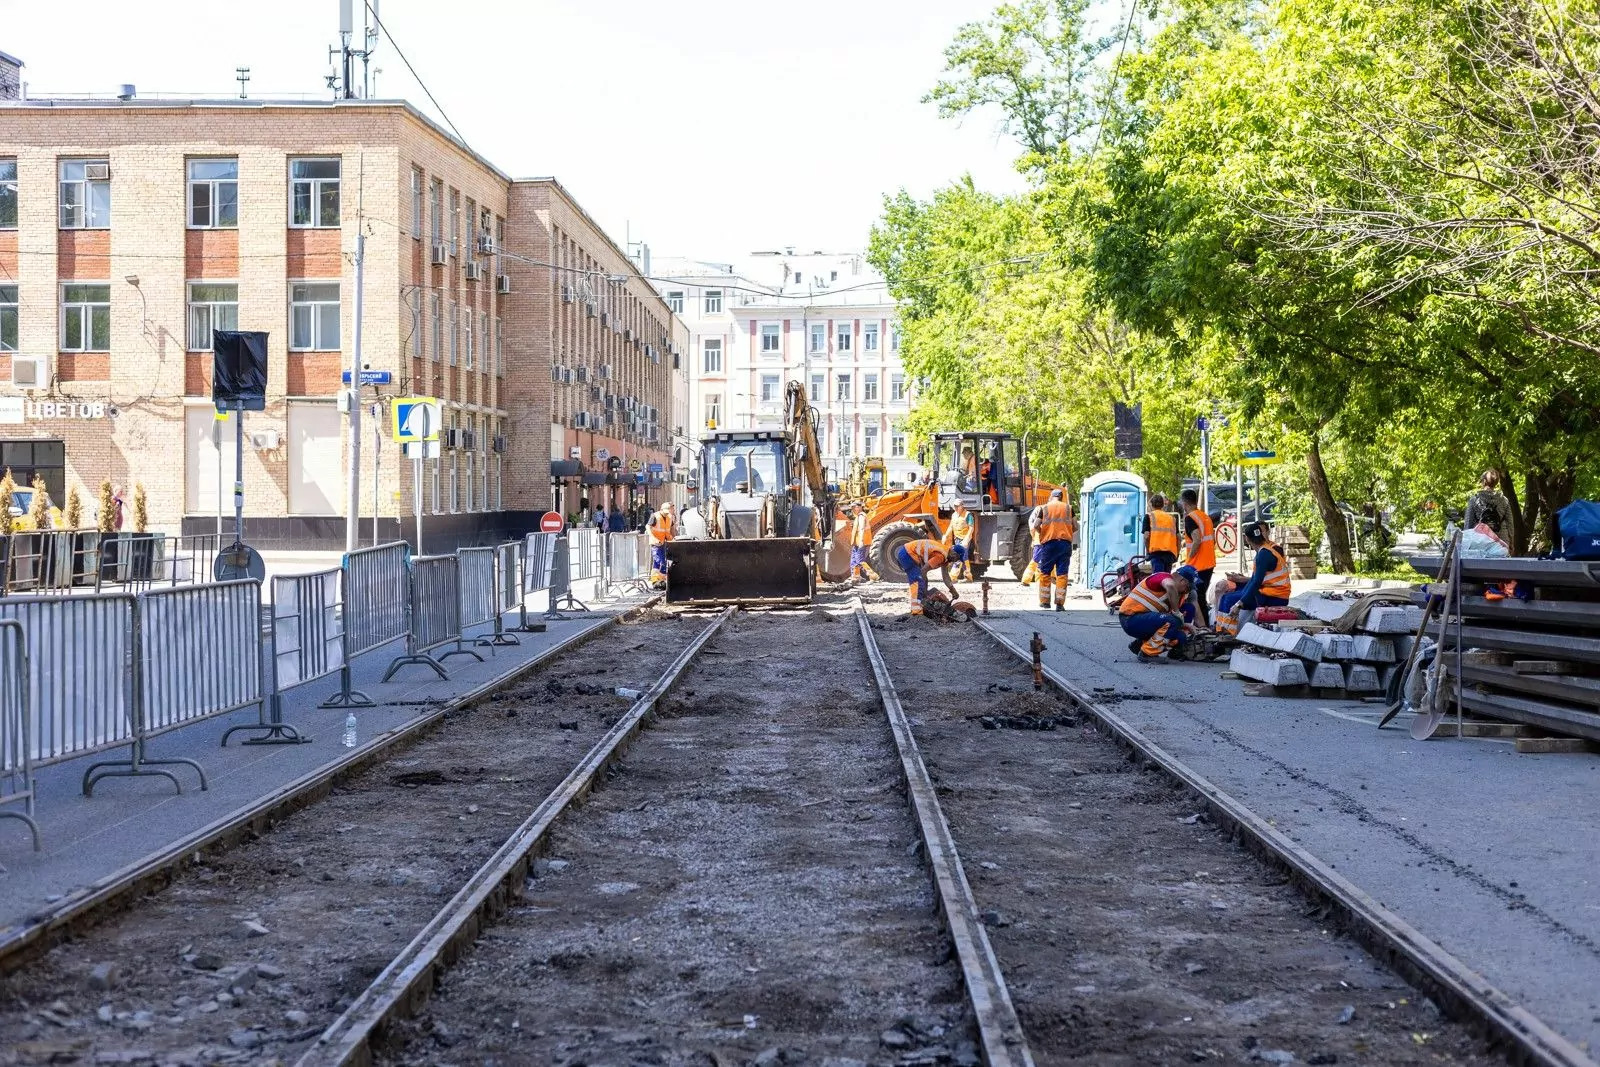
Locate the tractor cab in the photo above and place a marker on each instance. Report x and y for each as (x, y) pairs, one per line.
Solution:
(985, 471)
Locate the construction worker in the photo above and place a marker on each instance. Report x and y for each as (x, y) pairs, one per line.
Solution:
(962, 538)
(663, 525)
(1268, 585)
(1154, 614)
(860, 542)
(1199, 550)
(917, 558)
(1052, 521)
(1161, 536)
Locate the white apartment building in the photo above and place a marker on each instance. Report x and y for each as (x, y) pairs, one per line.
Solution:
(822, 319)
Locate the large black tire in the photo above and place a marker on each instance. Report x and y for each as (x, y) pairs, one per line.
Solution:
(888, 541)
(1021, 554)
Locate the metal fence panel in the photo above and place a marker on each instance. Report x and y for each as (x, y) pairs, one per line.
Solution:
(538, 561)
(16, 763)
(475, 569)
(199, 653)
(80, 695)
(628, 558)
(584, 554)
(507, 579)
(307, 628)
(376, 591)
(435, 613)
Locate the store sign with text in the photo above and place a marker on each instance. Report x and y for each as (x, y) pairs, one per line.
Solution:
(16, 410)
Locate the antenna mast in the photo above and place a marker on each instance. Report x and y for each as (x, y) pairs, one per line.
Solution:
(342, 78)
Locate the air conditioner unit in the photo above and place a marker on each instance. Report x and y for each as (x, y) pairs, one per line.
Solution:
(610, 400)
(502, 284)
(627, 335)
(486, 243)
(469, 439)
(611, 418)
(605, 318)
(566, 377)
(264, 440)
(30, 372)
(654, 435)
(593, 310)
(97, 172)
(605, 372)
(499, 444)
(566, 293)
(474, 272)
(595, 393)
(655, 357)
(583, 374)
(555, 374)
(450, 438)
(441, 254)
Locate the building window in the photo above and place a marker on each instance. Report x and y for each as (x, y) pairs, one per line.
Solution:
(869, 440)
(713, 301)
(214, 194)
(211, 307)
(8, 318)
(466, 341)
(455, 464)
(436, 312)
(869, 388)
(86, 318)
(769, 388)
(897, 442)
(845, 333)
(894, 338)
(85, 194)
(869, 337)
(314, 317)
(818, 381)
(843, 391)
(455, 223)
(897, 388)
(713, 351)
(314, 192)
(8, 194)
(455, 339)
(416, 202)
(771, 338)
(472, 461)
(714, 409)
(847, 442)
(675, 301)
(819, 337)
(436, 199)
(499, 348)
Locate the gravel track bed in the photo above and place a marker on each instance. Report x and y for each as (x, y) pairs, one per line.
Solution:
(744, 889)
(1129, 930)
(250, 956)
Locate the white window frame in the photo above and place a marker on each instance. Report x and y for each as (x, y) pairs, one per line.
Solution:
(10, 318)
(455, 221)
(455, 466)
(455, 337)
(897, 442)
(897, 388)
(869, 388)
(869, 440)
(894, 337)
(418, 179)
(709, 347)
(499, 347)
(85, 191)
(818, 341)
(713, 302)
(436, 208)
(846, 439)
(318, 312)
(675, 301)
(316, 189)
(843, 333)
(87, 311)
(8, 193)
(713, 409)
(434, 501)
(436, 310)
(842, 386)
(468, 497)
(770, 384)
(771, 338)
(819, 384)
(869, 337)
(468, 360)
(212, 309)
(214, 188)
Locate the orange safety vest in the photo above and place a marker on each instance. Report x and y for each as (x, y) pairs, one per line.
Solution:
(660, 528)
(1163, 532)
(1056, 522)
(961, 528)
(1145, 597)
(1202, 554)
(926, 554)
(858, 532)
(1276, 583)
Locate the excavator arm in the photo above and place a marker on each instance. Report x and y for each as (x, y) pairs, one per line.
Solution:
(806, 457)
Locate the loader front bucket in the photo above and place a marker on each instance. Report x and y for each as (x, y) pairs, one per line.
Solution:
(761, 570)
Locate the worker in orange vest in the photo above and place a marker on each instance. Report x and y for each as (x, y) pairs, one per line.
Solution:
(917, 558)
(962, 538)
(1199, 550)
(1056, 528)
(662, 527)
(1155, 614)
(1161, 536)
(1268, 585)
(860, 541)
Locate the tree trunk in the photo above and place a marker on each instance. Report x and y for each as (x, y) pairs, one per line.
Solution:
(1332, 517)
(1519, 518)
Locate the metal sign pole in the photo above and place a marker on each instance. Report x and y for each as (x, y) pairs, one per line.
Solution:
(238, 473)
(1238, 516)
(1205, 463)
(377, 465)
(418, 453)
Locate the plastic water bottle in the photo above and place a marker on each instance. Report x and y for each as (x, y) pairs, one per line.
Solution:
(628, 694)
(350, 730)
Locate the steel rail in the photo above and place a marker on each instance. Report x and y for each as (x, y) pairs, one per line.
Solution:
(1458, 989)
(408, 980)
(1000, 1036)
(84, 907)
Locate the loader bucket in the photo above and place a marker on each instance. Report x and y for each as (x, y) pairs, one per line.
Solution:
(758, 570)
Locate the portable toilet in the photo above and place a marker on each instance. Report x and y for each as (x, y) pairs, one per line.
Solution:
(1111, 510)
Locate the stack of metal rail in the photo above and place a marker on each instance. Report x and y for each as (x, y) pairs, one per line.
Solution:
(1538, 660)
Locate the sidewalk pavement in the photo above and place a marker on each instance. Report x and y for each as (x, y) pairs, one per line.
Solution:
(87, 839)
(1480, 848)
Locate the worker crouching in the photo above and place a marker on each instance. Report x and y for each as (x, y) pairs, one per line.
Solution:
(917, 558)
(1054, 526)
(860, 540)
(663, 526)
(1267, 586)
(1157, 613)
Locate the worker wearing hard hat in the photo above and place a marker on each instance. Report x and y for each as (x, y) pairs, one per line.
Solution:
(1161, 536)
(663, 525)
(917, 558)
(1053, 524)
(860, 541)
(1199, 549)
(962, 538)
(1156, 613)
(1267, 586)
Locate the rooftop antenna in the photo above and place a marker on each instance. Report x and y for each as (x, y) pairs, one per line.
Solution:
(342, 78)
(242, 76)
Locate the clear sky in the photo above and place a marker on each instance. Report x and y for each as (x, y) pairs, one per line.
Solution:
(710, 128)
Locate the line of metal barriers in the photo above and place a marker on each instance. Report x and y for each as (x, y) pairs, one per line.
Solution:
(96, 672)
(87, 561)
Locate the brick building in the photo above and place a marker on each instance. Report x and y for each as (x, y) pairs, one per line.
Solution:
(129, 229)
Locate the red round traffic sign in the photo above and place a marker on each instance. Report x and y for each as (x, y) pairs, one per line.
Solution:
(551, 522)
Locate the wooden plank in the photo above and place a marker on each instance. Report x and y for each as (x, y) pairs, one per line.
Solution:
(1553, 745)
(1305, 625)
(1544, 666)
(1477, 728)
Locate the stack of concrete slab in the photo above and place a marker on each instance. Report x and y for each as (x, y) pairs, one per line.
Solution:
(1355, 663)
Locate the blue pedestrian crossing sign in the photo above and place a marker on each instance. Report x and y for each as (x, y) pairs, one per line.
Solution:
(416, 418)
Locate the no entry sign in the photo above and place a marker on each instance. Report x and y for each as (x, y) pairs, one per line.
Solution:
(551, 522)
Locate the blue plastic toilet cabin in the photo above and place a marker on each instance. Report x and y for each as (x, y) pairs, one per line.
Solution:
(1111, 509)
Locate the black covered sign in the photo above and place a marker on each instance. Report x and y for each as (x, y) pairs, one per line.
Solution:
(239, 369)
(1129, 430)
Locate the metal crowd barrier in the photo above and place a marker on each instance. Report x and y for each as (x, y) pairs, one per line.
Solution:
(538, 570)
(197, 654)
(507, 591)
(306, 634)
(435, 598)
(16, 760)
(561, 578)
(584, 554)
(627, 560)
(41, 561)
(376, 589)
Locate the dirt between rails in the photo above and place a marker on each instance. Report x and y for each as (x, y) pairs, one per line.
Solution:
(1129, 931)
(744, 890)
(248, 958)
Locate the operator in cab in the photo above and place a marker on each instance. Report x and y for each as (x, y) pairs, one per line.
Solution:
(663, 527)
(741, 479)
(1157, 613)
(1267, 586)
(917, 558)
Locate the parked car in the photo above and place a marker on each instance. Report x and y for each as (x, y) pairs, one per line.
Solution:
(21, 501)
